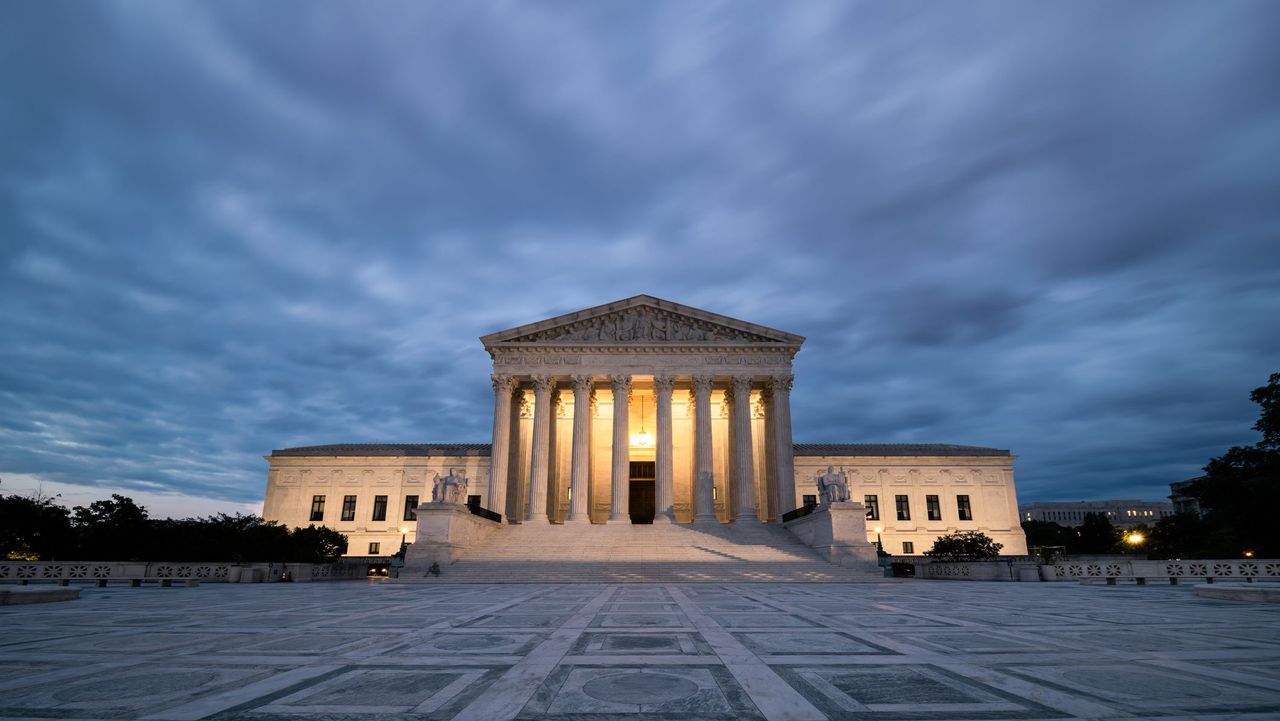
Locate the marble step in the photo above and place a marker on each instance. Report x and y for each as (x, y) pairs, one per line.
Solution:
(622, 553)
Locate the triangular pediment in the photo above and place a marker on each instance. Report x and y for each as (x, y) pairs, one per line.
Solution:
(642, 319)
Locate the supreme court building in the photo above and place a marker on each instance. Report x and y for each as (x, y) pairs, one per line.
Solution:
(645, 411)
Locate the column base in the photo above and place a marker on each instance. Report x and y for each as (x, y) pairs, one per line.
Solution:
(706, 521)
(571, 521)
(625, 518)
(660, 519)
(540, 517)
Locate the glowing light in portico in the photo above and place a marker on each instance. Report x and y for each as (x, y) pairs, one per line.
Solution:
(642, 438)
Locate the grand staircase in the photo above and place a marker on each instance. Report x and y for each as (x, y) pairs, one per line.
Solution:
(625, 553)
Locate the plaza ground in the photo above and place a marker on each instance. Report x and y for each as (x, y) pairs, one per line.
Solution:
(894, 650)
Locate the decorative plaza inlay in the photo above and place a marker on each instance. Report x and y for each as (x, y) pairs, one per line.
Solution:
(936, 650)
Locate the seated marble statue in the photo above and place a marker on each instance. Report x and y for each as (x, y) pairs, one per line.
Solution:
(833, 486)
(449, 489)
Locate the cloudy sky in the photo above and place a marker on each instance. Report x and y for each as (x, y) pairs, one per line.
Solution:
(232, 227)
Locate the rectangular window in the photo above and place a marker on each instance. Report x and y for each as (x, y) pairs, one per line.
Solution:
(873, 507)
(348, 508)
(410, 508)
(379, 508)
(810, 500)
(904, 508)
(934, 508)
(908, 547)
(317, 508)
(374, 547)
(966, 512)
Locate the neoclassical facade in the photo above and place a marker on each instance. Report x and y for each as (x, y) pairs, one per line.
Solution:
(645, 411)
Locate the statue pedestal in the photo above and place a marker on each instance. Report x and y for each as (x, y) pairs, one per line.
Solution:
(445, 532)
(838, 531)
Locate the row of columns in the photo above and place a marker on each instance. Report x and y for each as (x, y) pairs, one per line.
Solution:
(777, 434)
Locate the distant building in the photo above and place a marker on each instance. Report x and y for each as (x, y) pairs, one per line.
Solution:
(1183, 503)
(1120, 512)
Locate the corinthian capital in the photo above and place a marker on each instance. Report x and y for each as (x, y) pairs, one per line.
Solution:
(621, 385)
(663, 384)
(702, 385)
(781, 383)
(583, 384)
(502, 383)
(542, 384)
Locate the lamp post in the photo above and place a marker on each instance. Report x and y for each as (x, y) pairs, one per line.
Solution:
(879, 545)
(404, 534)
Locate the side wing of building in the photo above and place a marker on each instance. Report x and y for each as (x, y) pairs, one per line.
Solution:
(918, 492)
(367, 492)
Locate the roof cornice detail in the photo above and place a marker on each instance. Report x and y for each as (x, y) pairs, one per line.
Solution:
(641, 321)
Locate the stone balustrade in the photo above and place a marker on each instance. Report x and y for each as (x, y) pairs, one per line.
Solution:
(102, 572)
(1172, 571)
(1109, 571)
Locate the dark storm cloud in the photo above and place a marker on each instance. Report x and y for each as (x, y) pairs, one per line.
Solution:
(226, 229)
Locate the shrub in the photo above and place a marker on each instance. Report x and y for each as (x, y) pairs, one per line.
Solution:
(964, 546)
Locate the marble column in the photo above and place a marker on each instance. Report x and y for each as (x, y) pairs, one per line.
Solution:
(502, 388)
(769, 473)
(664, 472)
(619, 509)
(783, 451)
(539, 465)
(704, 505)
(580, 457)
(744, 472)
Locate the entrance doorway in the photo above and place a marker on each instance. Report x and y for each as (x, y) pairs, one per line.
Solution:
(642, 501)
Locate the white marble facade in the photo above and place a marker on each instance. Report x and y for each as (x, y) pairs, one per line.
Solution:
(706, 397)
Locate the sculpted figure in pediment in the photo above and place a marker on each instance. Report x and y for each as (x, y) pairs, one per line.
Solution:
(640, 324)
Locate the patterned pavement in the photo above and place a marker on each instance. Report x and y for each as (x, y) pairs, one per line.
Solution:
(908, 650)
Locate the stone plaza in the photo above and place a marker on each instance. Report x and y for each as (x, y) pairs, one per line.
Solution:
(911, 649)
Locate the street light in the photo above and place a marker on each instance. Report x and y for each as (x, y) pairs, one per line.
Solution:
(404, 534)
(1135, 539)
(879, 545)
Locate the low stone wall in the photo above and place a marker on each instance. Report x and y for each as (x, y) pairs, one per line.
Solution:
(1013, 569)
(1142, 570)
(207, 572)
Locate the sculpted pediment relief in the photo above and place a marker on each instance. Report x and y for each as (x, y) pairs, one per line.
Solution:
(642, 320)
(640, 325)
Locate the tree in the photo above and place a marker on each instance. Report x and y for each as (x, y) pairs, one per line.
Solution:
(1048, 533)
(113, 530)
(1240, 488)
(34, 528)
(964, 546)
(1178, 536)
(317, 545)
(1095, 534)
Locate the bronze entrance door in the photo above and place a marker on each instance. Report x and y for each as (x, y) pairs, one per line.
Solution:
(642, 501)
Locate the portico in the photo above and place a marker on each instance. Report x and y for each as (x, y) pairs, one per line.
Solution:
(583, 399)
